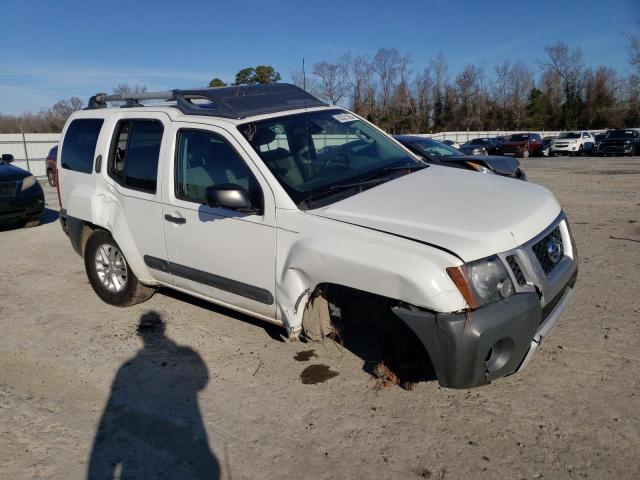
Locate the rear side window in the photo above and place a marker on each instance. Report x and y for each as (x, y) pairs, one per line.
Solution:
(133, 161)
(79, 146)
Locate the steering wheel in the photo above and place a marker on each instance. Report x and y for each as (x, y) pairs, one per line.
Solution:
(335, 158)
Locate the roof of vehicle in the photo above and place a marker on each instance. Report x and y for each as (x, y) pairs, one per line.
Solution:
(237, 102)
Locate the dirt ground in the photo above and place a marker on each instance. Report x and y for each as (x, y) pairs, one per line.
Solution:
(223, 392)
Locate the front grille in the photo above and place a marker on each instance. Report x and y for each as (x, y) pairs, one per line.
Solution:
(8, 189)
(541, 250)
(517, 271)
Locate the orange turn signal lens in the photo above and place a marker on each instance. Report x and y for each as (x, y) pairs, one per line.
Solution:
(460, 279)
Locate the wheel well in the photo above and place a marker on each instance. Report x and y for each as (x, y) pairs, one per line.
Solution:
(356, 312)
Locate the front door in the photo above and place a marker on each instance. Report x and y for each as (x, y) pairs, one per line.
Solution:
(223, 255)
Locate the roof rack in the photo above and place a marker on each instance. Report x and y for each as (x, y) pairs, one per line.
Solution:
(228, 102)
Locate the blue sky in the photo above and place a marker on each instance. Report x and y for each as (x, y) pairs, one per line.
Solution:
(51, 50)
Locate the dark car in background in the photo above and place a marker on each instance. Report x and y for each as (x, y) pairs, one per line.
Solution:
(51, 166)
(21, 196)
(438, 153)
(598, 138)
(624, 141)
(546, 145)
(482, 146)
(523, 145)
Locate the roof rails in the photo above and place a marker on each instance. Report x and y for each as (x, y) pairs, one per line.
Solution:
(228, 102)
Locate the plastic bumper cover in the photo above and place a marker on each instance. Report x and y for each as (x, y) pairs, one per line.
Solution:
(473, 348)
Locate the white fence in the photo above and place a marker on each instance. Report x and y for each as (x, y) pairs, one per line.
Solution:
(29, 150)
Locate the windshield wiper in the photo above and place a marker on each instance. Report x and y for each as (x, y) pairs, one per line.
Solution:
(376, 179)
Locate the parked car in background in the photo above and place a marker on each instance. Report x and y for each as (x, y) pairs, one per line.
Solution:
(21, 196)
(482, 146)
(51, 166)
(625, 141)
(438, 153)
(572, 143)
(523, 145)
(451, 143)
(546, 143)
(598, 138)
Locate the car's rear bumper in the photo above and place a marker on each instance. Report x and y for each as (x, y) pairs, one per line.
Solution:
(469, 349)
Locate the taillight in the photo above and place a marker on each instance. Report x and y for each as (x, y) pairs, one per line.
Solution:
(55, 174)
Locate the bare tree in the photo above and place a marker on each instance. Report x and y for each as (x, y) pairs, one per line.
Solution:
(423, 88)
(439, 68)
(331, 81)
(568, 65)
(467, 85)
(386, 64)
(125, 88)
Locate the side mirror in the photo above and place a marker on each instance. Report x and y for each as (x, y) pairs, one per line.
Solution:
(7, 158)
(231, 196)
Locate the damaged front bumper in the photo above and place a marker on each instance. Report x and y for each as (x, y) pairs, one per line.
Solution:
(470, 349)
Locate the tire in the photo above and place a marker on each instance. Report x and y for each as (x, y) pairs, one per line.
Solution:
(51, 178)
(115, 283)
(31, 222)
(525, 153)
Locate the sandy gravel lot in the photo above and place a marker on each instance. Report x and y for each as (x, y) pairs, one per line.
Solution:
(223, 392)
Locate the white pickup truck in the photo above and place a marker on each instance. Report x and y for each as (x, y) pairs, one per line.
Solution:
(268, 201)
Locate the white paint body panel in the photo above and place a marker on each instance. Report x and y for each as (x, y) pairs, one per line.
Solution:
(473, 215)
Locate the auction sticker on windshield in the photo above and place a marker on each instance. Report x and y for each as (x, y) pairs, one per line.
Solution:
(345, 117)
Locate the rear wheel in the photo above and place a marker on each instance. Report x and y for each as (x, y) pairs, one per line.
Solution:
(51, 178)
(109, 273)
(525, 153)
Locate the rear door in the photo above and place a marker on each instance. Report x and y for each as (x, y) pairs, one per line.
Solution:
(221, 254)
(129, 196)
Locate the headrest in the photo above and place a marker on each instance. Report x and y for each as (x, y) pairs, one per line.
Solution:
(263, 136)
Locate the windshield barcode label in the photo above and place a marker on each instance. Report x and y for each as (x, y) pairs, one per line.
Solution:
(345, 117)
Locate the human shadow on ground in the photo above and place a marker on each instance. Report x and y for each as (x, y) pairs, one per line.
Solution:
(152, 426)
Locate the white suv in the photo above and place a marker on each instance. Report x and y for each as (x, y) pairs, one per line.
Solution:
(572, 143)
(267, 201)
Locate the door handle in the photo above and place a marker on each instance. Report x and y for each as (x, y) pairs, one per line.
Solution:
(171, 219)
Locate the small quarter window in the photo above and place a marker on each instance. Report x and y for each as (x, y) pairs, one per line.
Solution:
(135, 153)
(79, 145)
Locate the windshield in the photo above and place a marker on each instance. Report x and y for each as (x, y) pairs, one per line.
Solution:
(569, 135)
(313, 153)
(432, 148)
(620, 134)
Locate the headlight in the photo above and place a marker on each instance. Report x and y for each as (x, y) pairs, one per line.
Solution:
(480, 168)
(483, 281)
(28, 182)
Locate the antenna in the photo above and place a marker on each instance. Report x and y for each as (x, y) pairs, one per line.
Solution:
(306, 123)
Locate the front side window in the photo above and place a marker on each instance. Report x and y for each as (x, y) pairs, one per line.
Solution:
(135, 152)
(315, 152)
(79, 146)
(205, 159)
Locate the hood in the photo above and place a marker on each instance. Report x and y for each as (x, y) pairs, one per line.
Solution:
(11, 173)
(500, 164)
(472, 215)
